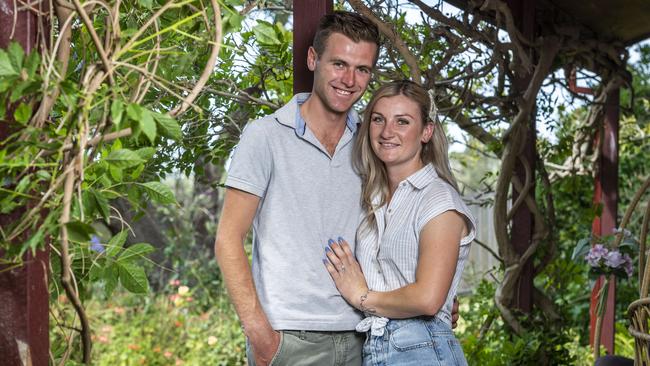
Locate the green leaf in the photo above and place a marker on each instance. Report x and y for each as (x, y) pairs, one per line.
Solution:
(146, 3)
(116, 243)
(117, 110)
(16, 56)
(159, 192)
(581, 248)
(168, 126)
(116, 173)
(146, 153)
(79, 232)
(148, 125)
(124, 158)
(35, 241)
(32, 63)
(6, 69)
(96, 270)
(265, 33)
(102, 204)
(23, 113)
(111, 276)
(135, 251)
(134, 111)
(133, 278)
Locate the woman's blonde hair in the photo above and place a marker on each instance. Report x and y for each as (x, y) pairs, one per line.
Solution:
(373, 171)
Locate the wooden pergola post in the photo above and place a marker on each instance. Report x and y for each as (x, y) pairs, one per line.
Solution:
(306, 15)
(24, 308)
(606, 195)
(522, 221)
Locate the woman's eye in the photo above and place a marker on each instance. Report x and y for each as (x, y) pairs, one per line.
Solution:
(377, 119)
(402, 121)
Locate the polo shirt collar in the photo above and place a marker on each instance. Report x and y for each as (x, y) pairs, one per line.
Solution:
(423, 177)
(300, 125)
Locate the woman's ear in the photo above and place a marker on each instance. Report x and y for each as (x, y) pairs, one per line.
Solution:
(427, 133)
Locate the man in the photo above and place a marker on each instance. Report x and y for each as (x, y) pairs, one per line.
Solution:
(291, 178)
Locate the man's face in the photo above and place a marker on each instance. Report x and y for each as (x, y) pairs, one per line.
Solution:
(342, 72)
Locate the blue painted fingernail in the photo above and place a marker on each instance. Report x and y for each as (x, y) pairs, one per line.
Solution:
(330, 242)
(327, 249)
(340, 240)
(325, 261)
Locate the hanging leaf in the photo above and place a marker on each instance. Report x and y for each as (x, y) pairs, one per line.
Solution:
(135, 251)
(168, 126)
(265, 33)
(148, 125)
(23, 113)
(116, 243)
(159, 192)
(6, 69)
(124, 158)
(79, 231)
(117, 110)
(133, 277)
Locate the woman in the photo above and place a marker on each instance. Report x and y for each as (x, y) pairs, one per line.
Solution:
(414, 240)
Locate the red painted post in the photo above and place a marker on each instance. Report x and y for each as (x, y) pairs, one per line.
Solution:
(522, 221)
(306, 15)
(606, 194)
(24, 308)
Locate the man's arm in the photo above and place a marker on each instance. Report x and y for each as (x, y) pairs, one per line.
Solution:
(236, 218)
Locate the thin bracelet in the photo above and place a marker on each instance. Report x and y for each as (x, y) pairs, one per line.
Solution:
(362, 307)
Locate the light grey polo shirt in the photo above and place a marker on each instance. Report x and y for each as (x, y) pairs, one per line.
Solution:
(307, 197)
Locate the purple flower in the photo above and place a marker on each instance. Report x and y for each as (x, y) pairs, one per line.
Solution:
(628, 266)
(614, 259)
(96, 245)
(626, 233)
(596, 253)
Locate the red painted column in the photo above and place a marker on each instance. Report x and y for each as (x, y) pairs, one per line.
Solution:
(606, 195)
(24, 337)
(306, 15)
(522, 221)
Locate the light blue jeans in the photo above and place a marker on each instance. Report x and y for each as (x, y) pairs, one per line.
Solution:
(419, 341)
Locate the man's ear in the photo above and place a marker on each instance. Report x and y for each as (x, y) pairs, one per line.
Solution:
(312, 58)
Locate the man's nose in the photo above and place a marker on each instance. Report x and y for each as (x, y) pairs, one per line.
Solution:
(348, 77)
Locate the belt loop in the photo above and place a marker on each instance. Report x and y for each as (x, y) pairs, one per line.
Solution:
(303, 335)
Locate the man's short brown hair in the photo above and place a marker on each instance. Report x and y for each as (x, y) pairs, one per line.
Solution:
(352, 25)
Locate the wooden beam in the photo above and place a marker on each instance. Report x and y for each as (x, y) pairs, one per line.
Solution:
(522, 222)
(306, 15)
(24, 307)
(606, 195)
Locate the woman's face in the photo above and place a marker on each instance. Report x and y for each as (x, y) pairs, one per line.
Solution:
(397, 132)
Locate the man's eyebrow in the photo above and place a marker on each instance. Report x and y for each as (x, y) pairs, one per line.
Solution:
(339, 60)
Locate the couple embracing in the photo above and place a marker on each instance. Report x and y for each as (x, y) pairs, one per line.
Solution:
(360, 234)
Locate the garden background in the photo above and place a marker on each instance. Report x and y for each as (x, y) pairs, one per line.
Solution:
(125, 113)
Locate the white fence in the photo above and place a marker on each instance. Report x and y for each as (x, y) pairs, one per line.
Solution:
(480, 261)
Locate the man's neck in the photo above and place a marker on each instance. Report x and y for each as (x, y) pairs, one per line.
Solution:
(328, 126)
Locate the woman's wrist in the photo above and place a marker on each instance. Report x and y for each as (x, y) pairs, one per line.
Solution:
(364, 303)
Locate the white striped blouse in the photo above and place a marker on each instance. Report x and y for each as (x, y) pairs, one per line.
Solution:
(388, 255)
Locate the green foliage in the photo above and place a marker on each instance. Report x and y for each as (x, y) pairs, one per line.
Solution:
(548, 342)
(173, 327)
